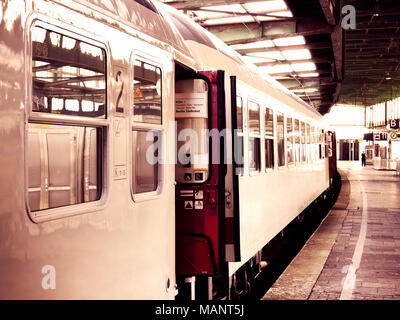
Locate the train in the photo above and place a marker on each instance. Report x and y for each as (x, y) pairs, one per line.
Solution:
(141, 156)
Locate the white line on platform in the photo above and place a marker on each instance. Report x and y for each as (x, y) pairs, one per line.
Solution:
(350, 280)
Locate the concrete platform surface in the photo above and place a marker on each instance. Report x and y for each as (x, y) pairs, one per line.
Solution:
(355, 252)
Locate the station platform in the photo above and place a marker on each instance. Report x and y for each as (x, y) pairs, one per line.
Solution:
(355, 252)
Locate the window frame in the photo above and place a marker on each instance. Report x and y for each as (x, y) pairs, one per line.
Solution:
(268, 136)
(254, 135)
(131, 87)
(144, 126)
(66, 120)
(308, 142)
(297, 141)
(63, 118)
(284, 165)
(289, 138)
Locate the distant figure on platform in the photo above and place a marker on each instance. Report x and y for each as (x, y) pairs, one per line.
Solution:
(363, 159)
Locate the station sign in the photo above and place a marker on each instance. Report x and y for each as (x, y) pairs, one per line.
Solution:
(394, 124)
(382, 136)
(394, 135)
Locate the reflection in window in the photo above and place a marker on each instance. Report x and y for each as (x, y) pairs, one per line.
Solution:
(254, 154)
(68, 75)
(289, 140)
(313, 141)
(321, 145)
(254, 136)
(269, 122)
(145, 160)
(254, 118)
(303, 142)
(64, 165)
(147, 93)
(297, 140)
(269, 153)
(280, 127)
(269, 138)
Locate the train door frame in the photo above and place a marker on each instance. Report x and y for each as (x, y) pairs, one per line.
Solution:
(222, 116)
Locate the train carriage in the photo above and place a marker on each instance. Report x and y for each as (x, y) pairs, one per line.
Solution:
(280, 143)
(104, 195)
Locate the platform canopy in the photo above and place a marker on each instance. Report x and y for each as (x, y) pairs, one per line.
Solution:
(299, 43)
(372, 53)
(302, 44)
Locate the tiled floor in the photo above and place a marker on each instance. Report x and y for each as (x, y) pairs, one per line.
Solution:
(355, 253)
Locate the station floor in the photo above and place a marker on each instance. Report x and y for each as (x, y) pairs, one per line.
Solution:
(355, 252)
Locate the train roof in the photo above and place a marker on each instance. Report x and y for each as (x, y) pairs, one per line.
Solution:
(142, 15)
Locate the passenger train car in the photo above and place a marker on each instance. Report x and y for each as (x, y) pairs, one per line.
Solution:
(138, 150)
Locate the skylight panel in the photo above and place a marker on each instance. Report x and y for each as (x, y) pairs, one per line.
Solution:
(301, 54)
(308, 90)
(283, 14)
(264, 18)
(309, 75)
(266, 6)
(254, 59)
(308, 66)
(291, 41)
(280, 68)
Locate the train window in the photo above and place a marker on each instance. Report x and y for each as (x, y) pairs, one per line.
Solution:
(269, 122)
(269, 138)
(321, 145)
(316, 143)
(289, 140)
(68, 75)
(303, 143)
(254, 117)
(254, 154)
(328, 144)
(192, 131)
(280, 127)
(147, 106)
(239, 155)
(254, 136)
(145, 160)
(64, 165)
(269, 153)
(297, 140)
(312, 144)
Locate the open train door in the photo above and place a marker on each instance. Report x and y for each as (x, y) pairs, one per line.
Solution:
(331, 147)
(202, 174)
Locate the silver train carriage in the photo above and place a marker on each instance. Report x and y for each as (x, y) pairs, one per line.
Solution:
(104, 194)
